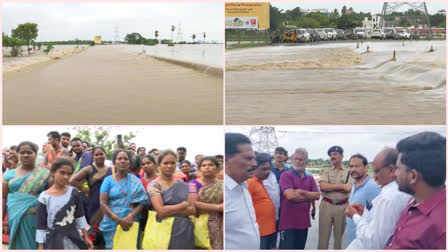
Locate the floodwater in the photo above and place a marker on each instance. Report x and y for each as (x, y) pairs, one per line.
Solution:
(205, 54)
(335, 83)
(108, 85)
(14, 64)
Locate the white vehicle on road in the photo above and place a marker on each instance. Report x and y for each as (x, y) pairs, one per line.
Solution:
(322, 34)
(361, 33)
(404, 34)
(331, 33)
(378, 34)
(302, 35)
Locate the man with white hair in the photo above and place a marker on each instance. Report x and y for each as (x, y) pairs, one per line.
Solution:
(298, 191)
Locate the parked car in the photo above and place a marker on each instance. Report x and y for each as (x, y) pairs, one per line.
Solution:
(391, 33)
(378, 34)
(340, 34)
(314, 35)
(404, 34)
(349, 34)
(331, 33)
(361, 33)
(302, 35)
(322, 34)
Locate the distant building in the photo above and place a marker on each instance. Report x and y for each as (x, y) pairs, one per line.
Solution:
(321, 10)
(374, 23)
(422, 33)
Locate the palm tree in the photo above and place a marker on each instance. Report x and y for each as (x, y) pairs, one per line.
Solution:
(194, 36)
(204, 36)
(156, 34)
(172, 33)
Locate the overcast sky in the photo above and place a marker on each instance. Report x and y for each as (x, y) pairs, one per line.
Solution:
(367, 140)
(372, 7)
(207, 140)
(69, 20)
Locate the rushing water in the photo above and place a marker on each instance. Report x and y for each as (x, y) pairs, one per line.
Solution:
(108, 85)
(337, 84)
(206, 54)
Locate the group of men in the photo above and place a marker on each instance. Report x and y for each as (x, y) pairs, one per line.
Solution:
(402, 205)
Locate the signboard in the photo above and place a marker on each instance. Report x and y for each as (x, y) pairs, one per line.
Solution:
(97, 39)
(248, 10)
(242, 22)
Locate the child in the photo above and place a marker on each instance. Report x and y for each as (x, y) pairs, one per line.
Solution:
(60, 213)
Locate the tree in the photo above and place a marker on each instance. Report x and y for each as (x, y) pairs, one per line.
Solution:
(172, 32)
(101, 137)
(335, 14)
(294, 14)
(6, 40)
(404, 22)
(204, 36)
(348, 21)
(438, 20)
(307, 22)
(275, 18)
(344, 9)
(156, 34)
(193, 37)
(27, 32)
(134, 38)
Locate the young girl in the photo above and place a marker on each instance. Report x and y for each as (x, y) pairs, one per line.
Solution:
(149, 166)
(60, 213)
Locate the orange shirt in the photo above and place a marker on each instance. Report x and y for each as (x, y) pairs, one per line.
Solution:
(264, 208)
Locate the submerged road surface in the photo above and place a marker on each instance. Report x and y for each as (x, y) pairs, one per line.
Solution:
(107, 85)
(337, 84)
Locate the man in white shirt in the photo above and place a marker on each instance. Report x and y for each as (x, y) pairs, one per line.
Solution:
(376, 222)
(241, 228)
(273, 189)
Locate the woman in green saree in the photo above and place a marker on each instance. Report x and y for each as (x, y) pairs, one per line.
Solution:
(21, 189)
(206, 194)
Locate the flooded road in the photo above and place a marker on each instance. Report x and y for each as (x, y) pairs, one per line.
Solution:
(207, 54)
(337, 84)
(107, 85)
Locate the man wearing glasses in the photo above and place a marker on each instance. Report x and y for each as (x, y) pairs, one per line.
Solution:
(375, 223)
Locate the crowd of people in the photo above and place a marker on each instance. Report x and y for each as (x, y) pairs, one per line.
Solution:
(75, 198)
(402, 205)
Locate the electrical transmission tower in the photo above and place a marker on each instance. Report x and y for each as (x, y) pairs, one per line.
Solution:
(179, 36)
(389, 7)
(116, 35)
(263, 139)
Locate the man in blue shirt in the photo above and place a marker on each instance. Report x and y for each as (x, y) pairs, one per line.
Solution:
(279, 165)
(83, 158)
(364, 189)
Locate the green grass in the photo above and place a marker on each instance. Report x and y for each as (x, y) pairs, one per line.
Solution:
(246, 45)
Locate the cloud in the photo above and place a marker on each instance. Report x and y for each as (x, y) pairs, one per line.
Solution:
(366, 140)
(66, 21)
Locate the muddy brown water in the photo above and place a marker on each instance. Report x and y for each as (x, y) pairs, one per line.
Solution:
(106, 85)
(336, 84)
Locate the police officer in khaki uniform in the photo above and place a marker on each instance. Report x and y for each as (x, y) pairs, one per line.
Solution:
(335, 185)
